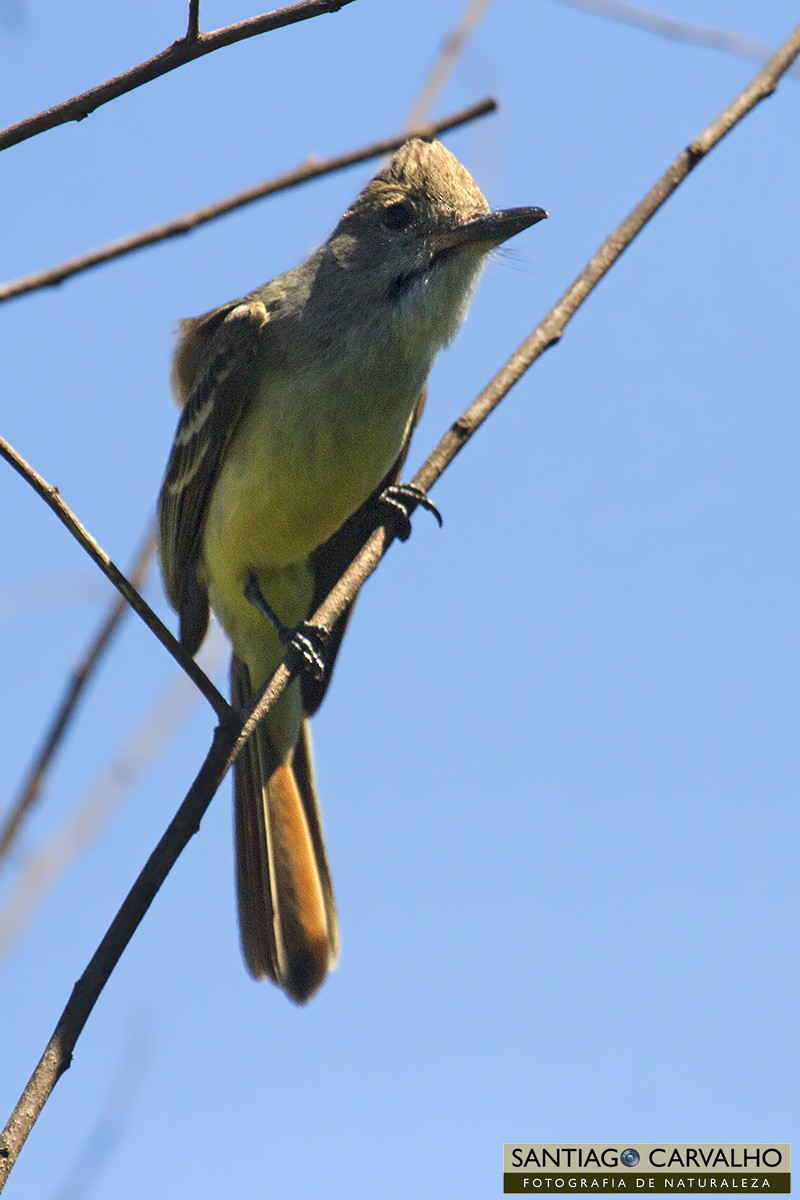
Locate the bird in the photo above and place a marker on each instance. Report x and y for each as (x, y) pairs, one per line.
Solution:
(298, 402)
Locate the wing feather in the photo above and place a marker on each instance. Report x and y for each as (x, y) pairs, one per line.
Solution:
(220, 380)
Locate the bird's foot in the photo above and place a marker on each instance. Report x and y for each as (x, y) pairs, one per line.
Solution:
(307, 642)
(401, 499)
(310, 642)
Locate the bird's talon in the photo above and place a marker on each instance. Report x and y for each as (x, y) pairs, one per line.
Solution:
(309, 643)
(400, 515)
(430, 507)
(402, 499)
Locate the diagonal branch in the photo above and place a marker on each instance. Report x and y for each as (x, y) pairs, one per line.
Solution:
(210, 212)
(231, 736)
(183, 51)
(76, 685)
(53, 500)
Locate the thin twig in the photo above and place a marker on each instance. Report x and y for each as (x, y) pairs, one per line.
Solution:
(62, 717)
(58, 1053)
(444, 64)
(140, 606)
(231, 736)
(193, 28)
(183, 51)
(189, 221)
(679, 31)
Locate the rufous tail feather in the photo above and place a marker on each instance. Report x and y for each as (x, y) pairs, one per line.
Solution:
(287, 913)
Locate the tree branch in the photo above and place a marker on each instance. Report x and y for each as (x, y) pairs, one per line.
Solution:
(53, 500)
(231, 736)
(183, 51)
(58, 1053)
(193, 28)
(189, 221)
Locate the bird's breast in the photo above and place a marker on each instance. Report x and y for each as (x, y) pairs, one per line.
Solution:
(306, 455)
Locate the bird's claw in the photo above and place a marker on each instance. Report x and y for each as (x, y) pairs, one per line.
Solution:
(402, 499)
(307, 642)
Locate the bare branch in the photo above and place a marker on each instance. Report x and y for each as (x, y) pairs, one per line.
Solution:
(444, 64)
(183, 51)
(231, 736)
(193, 28)
(678, 31)
(58, 1053)
(140, 606)
(189, 221)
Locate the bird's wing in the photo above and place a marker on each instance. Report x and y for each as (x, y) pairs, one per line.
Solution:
(332, 558)
(224, 381)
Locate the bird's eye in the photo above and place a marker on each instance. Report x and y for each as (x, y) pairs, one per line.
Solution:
(398, 216)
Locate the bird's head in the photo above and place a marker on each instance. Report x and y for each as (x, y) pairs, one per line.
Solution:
(418, 235)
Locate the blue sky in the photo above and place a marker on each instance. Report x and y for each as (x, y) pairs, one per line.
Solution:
(559, 759)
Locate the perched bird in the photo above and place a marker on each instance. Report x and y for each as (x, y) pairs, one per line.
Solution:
(298, 403)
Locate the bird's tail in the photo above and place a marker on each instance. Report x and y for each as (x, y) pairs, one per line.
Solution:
(287, 913)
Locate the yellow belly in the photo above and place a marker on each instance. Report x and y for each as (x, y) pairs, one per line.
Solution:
(303, 459)
(300, 463)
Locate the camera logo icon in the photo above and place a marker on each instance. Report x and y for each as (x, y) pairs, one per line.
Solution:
(629, 1158)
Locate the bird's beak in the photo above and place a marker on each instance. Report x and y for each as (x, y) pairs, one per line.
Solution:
(488, 230)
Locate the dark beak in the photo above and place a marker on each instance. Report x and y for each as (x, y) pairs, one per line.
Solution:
(489, 229)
